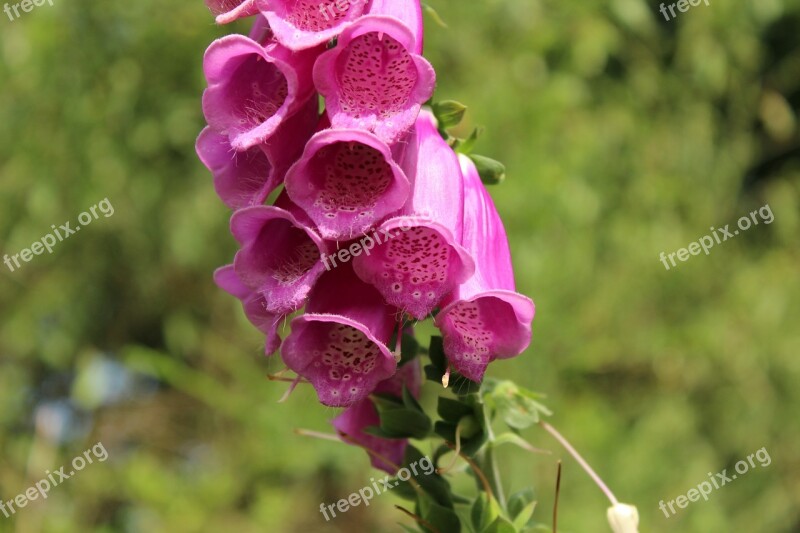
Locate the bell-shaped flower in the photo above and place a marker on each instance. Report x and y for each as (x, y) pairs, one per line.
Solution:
(254, 305)
(484, 318)
(227, 11)
(347, 181)
(246, 178)
(339, 344)
(253, 89)
(280, 255)
(301, 24)
(421, 260)
(385, 454)
(374, 79)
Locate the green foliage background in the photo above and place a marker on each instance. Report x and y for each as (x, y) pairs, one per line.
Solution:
(624, 136)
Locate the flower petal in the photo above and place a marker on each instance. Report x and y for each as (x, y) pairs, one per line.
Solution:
(420, 259)
(346, 181)
(409, 12)
(339, 345)
(301, 24)
(280, 257)
(373, 79)
(253, 89)
(484, 319)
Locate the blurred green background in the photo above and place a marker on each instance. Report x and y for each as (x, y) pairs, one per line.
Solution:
(624, 136)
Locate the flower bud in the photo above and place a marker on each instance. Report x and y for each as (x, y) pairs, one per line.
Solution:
(623, 518)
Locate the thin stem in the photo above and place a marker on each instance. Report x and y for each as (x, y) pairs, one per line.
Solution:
(487, 487)
(416, 518)
(491, 462)
(560, 438)
(317, 434)
(291, 388)
(455, 455)
(555, 503)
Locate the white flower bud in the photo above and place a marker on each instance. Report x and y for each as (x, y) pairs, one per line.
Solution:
(623, 518)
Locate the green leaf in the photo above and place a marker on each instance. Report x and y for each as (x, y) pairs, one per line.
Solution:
(500, 525)
(449, 113)
(468, 445)
(524, 516)
(515, 406)
(444, 519)
(434, 485)
(491, 171)
(468, 427)
(410, 402)
(385, 402)
(453, 410)
(513, 438)
(409, 349)
(465, 146)
(408, 423)
(436, 353)
(378, 432)
(518, 501)
(484, 512)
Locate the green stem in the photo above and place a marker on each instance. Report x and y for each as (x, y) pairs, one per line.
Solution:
(493, 473)
(491, 468)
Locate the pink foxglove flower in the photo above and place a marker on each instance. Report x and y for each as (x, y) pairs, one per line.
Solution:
(253, 89)
(301, 24)
(484, 319)
(339, 344)
(374, 78)
(353, 420)
(280, 256)
(423, 261)
(254, 306)
(347, 181)
(246, 178)
(227, 11)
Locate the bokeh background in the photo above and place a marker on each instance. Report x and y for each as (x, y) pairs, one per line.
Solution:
(624, 136)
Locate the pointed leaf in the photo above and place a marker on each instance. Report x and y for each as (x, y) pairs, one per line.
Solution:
(449, 113)
(491, 171)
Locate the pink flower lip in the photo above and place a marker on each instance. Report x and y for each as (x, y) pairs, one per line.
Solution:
(373, 79)
(346, 180)
(494, 324)
(240, 178)
(252, 89)
(341, 358)
(417, 267)
(280, 257)
(301, 24)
